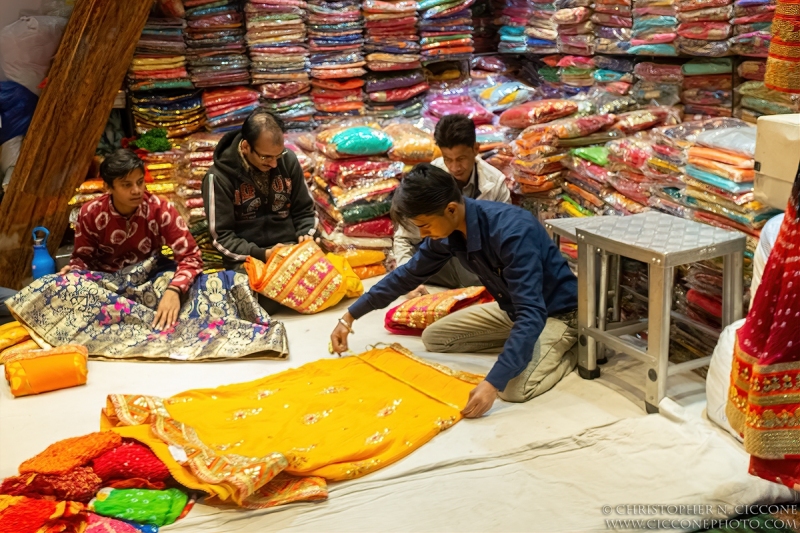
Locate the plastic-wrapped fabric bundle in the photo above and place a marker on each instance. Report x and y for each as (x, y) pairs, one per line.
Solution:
(666, 94)
(538, 112)
(377, 228)
(439, 106)
(753, 44)
(756, 96)
(335, 42)
(226, 109)
(501, 96)
(179, 113)
(572, 127)
(446, 30)
(740, 141)
(159, 61)
(644, 119)
(410, 144)
(215, 40)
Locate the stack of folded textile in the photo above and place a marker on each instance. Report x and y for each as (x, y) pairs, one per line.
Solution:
(698, 311)
(575, 28)
(215, 41)
(485, 33)
(352, 187)
(162, 171)
(180, 113)
(654, 23)
(512, 22)
(707, 88)
(198, 156)
(396, 84)
(576, 71)
(438, 106)
(660, 83)
(704, 27)
(337, 60)
(226, 109)
(290, 101)
(613, 23)
(719, 180)
(615, 74)
(750, 70)
(159, 61)
(752, 27)
(446, 30)
(541, 33)
(276, 35)
(755, 100)
(89, 190)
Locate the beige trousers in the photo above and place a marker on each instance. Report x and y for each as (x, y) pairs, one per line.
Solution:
(486, 327)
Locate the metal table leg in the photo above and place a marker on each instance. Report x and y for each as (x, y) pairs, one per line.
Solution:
(587, 311)
(660, 304)
(732, 288)
(616, 271)
(602, 307)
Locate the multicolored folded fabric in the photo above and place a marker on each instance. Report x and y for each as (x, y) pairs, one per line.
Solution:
(299, 277)
(413, 316)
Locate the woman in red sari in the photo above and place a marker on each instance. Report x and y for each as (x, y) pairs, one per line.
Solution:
(764, 397)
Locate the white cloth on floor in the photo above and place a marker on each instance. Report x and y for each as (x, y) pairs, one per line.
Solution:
(718, 380)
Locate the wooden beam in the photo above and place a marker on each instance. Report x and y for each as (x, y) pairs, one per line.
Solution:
(87, 71)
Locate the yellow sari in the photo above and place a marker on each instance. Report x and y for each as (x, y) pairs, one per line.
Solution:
(279, 438)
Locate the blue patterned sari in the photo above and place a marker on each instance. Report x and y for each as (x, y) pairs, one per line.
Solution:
(111, 314)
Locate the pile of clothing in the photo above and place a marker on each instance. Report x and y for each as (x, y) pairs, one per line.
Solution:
(180, 113)
(704, 27)
(198, 156)
(752, 27)
(446, 30)
(575, 28)
(707, 88)
(392, 40)
(750, 70)
(337, 61)
(352, 186)
(396, 85)
(615, 74)
(512, 20)
(657, 82)
(541, 33)
(100, 481)
(89, 190)
(276, 41)
(162, 171)
(159, 61)
(291, 101)
(654, 23)
(613, 23)
(754, 99)
(215, 42)
(227, 109)
(576, 71)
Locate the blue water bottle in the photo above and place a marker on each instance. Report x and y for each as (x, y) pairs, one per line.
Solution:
(43, 263)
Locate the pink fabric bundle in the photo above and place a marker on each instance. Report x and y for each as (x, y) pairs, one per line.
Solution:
(538, 112)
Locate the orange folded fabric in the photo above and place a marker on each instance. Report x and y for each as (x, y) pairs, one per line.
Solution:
(40, 371)
(299, 277)
(25, 346)
(68, 454)
(729, 158)
(729, 172)
(370, 271)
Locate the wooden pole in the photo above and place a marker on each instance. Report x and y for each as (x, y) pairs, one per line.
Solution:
(87, 71)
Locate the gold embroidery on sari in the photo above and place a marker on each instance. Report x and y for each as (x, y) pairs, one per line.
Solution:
(377, 437)
(313, 418)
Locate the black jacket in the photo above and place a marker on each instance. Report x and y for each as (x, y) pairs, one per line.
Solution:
(244, 221)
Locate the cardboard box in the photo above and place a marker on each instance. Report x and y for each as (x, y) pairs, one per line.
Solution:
(777, 158)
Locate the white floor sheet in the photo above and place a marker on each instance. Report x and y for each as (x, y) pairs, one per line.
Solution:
(549, 465)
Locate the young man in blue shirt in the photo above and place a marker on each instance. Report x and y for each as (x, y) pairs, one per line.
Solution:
(533, 318)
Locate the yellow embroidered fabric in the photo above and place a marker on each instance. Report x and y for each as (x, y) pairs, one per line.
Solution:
(299, 277)
(416, 314)
(12, 334)
(332, 419)
(24, 346)
(359, 258)
(351, 278)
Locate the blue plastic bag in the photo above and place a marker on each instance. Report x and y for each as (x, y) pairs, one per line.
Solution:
(17, 105)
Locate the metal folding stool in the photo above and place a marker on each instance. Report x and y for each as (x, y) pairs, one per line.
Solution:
(663, 242)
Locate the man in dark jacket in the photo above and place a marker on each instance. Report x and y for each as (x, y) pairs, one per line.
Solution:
(255, 196)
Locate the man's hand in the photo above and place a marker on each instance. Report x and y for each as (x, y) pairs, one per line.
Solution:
(64, 271)
(168, 309)
(480, 401)
(340, 333)
(272, 250)
(419, 291)
(304, 238)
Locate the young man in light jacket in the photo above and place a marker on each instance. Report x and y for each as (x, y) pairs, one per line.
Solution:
(455, 136)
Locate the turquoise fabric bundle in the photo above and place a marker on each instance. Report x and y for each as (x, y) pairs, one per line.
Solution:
(361, 140)
(718, 182)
